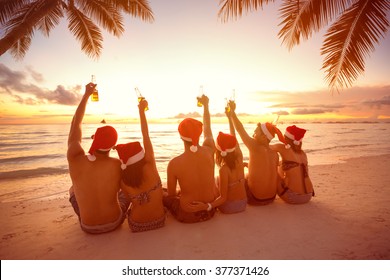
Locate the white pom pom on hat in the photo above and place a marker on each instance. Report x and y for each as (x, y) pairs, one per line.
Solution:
(193, 149)
(190, 131)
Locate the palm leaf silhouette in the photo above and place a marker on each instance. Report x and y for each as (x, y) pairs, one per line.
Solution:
(139, 9)
(19, 49)
(85, 31)
(357, 26)
(20, 27)
(232, 9)
(19, 19)
(350, 40)
(106, 15)
(300, 19)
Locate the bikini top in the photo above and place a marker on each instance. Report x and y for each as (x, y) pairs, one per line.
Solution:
(144, 197)
(236, 182)
(288, 164)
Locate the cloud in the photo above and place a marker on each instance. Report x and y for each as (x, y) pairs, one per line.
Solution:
(38, 77)
(287, 105)
(281, 113)
(310, 111)
(378, 103)
(17, 85)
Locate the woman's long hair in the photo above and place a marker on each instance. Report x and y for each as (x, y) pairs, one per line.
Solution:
(133, 174)
(296, 148)
(230, 159)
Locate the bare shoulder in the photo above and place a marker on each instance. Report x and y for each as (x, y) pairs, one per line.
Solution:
(175, 161)
(207, 149)
(115, 161)
(75, 151)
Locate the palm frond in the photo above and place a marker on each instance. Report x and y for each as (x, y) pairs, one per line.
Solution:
(351, 39)
(106, 15)
(9, 8)
(50, 20)
(85, 31)
(20, 48)
(302, 18)
(137, 8)
(232, 9)
(292, 13)
(21, 25)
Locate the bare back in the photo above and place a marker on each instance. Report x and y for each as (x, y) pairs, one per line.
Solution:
(195, 174)
(96, 185)
(294, 178)
(151, 186)
(262, 171)
(235, 185)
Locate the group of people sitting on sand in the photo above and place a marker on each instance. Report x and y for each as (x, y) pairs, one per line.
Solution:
(106, 190)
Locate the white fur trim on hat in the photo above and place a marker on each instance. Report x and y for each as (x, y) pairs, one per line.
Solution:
(223, 153)
(188, 139)
(137, 157)
(289, 135)
(266, 131)
(292, 137)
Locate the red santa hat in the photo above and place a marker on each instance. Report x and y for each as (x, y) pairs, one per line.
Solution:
(104, 139)
(190, 131)
(295, 133)
(226, 143)
(130, 153)
(270, 130)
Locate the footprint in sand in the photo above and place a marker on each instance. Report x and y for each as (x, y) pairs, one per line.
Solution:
(8, 236)
(379, 219)
(62, 218)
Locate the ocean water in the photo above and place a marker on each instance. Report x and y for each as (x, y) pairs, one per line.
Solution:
(40, 150)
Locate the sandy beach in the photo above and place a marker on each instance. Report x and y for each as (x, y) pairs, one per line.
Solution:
(348, 219)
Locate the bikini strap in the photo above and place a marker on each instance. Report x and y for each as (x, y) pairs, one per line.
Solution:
(288, 164)
(144, 197)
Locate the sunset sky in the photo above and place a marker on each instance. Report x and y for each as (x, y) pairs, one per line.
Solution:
(168, 60)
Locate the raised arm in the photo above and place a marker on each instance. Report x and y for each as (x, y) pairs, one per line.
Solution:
(233, 132)
(75, 133)
(277, 147)
(248, 141)
(208, 134)
(149, 153)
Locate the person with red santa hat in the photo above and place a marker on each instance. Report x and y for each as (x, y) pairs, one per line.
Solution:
(296, 186)
(193, 170)
(231, 179)
(262, 179)
(141, 181)
(95, 193)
